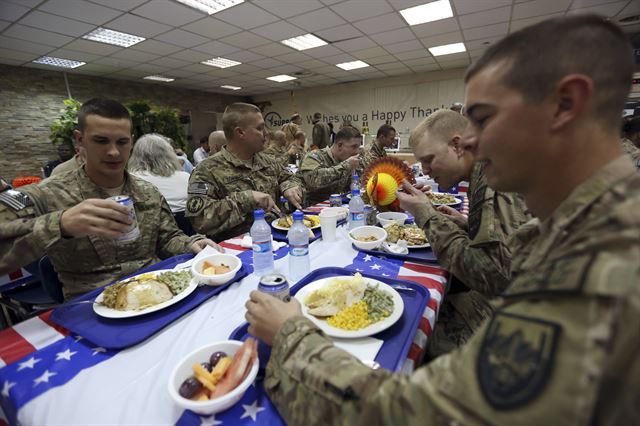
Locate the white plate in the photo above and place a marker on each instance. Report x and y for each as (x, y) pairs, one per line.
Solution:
(353, 334)
(425, 245)
(106, 312)
(282, 228)
(458, 200)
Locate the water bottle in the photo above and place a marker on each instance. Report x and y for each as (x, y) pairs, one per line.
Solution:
(298, 237)
(261, 242)
(356, 210)
(355, 181)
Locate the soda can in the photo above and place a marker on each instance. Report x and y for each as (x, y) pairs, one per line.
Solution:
(134, 231)
(275, 285)
(370, 215)
(335, 200)
(285, 203)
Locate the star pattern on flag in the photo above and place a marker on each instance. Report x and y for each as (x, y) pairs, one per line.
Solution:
(67, 354)
(29, 363)
(251, 410)
(367, 258)
(44, 378)
(209, 421)
(375, 267)
(78, 338)
(98, 350)
(7, 387)
(385, 275)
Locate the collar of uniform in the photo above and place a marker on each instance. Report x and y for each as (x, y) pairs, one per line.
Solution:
(236, 162)
(330, 154)
(477, 173)
(377, 148)
(587, 192)
(88, 188)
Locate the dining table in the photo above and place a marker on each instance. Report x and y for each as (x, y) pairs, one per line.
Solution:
(61, 367)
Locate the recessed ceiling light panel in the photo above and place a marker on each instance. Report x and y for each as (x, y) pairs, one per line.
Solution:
(304, 42)
(348, 66)
(210, 6)
(281, 78)
(447, 49)
(59, 62)
(434, 11)
(159, 78)
(104, 35)
(231, 87)
(220, 62)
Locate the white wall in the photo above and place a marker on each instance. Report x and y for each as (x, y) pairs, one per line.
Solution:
(405, 100)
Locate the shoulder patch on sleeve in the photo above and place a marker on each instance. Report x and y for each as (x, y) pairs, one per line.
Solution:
(515, 359)
(195, 204)
(15, 200)
(198, 188)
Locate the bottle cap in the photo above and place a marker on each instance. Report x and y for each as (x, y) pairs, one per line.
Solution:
(258, 214)
(298, 215)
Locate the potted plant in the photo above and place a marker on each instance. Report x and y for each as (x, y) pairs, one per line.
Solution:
(61, 130)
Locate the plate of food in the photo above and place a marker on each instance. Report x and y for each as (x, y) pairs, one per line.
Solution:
(350, 306)
(412, 234)
(144, 293)
(442, 199)
(284, 223)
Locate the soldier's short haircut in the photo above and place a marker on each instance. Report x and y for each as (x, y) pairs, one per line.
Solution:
(441, 126)
(317, 116)
(300, 135)
(384, 130)
(347, 133)
(235, 115)
(537, 57)
(107, 108)
(279, 135)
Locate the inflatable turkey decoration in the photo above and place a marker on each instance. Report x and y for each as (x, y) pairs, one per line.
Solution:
(383, 177)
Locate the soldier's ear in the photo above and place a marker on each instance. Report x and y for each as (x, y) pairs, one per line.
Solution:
(456, 144)
(77, 135)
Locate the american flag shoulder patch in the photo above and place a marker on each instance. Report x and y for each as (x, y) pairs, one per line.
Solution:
(15, 200)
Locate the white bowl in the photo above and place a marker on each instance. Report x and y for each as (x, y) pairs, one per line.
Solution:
(184, 370)
(218, 259)
(387, 218)
(365, 231)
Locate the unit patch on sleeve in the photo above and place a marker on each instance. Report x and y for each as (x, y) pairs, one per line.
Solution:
(15, 200)
(195, 204)
(198, 188)
(516, 359)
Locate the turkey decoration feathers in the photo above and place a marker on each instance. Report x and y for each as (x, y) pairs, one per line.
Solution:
(383, 177)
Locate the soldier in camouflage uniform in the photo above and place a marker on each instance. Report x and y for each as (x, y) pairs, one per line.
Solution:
(292, 127)
(69, 219)
(278, 148)
(226, 188)
(375, 149)
(328, 171)
(476, 254)
(562, 347)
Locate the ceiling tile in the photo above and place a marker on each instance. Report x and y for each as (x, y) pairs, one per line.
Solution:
(481, 43)
(136, 25)
(340, 32)
(383, 59)
(463, 63)
(245, 40)
(311, 65)
(215, 48)
(419, 62)
(191, 56)
(17, 55)
(246, 15)
(399, 71)
(244, 56)
(353, 10)
(369, 53)
(5, 60)
(93, 69)
(24, 46)
(486, 32)
(74, 55)
(124, 5)
(608, 10)
(57, 24)
(413, 54)
(273, 49)
(263, 74)
(267, 63)
(116, 62)
(388, 22)
(539, 7)
(439, 40)
(4, 24)
(243, 69)
(435, 28)
(80, 10)
(403, 46)
(425, 68)
(396, 36)
(465, 6)
(212, 28)
(181, 73)
(134, 55)
(391, 66)
(37, 36)
(288, 8)
(317, 20)
(322, 51)
(293, 57)
(181, 38)
(279, 31)
(404, 4)
(150, 68)
(338, 59)
(286, 69)
(355, 44)
(462, 56)
(521, 23)
(481, 19)
(156, 47)
(11, 11)
(632, 8)
(92, 47)
(170, 62)
(197, 68)
(168, 12)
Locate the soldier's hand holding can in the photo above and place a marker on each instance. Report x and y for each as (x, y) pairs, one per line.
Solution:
(105, 218)
(266, 314)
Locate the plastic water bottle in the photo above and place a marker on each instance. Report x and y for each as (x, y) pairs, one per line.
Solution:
(355, 181)
(261, 243)
(356, 209)
(298, 237)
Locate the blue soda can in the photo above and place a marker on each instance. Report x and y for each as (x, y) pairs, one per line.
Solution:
(335, 200)
(134, 231)
(275, 285)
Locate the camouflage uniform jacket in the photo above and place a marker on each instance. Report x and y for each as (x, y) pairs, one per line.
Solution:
(67, 166)
(372, 152)
(221, 202)
(290, 129)
(320, 135)
(561, 350)
(278, 152)
(30, 229)
(632, 151)
(323, 175)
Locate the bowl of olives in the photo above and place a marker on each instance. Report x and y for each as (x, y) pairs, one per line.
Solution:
(214, 377)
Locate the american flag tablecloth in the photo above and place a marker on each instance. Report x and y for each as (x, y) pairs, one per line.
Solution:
(50, 377)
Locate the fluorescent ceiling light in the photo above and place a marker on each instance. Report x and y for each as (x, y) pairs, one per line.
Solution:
(447, 49)
(159, 78)
(210, 6)
(347, 66)
(281, 78)
(58, 62)
(104, 35)
(304, 42)
(429, 12)
(231, 87)
(220, 62)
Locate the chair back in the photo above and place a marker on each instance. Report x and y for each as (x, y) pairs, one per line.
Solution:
(49, 280)
(184, 223)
